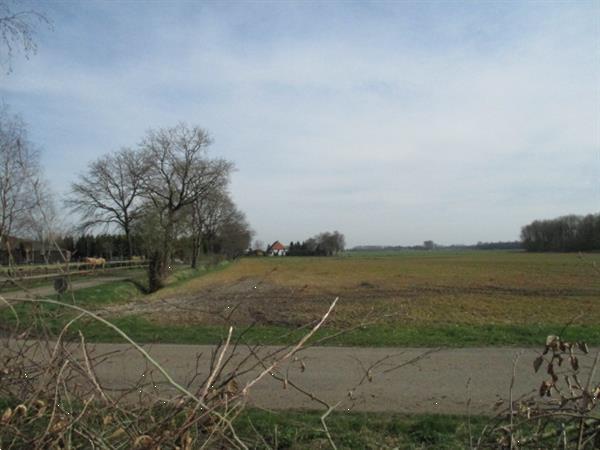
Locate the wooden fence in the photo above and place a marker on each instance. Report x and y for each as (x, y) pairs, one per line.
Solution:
(51, 271)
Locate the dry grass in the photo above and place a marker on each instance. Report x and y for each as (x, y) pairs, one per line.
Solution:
(419, 288)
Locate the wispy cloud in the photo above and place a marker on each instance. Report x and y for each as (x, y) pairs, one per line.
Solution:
(393, 123)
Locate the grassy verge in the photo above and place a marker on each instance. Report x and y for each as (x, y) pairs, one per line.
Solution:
(143, 330)
(75, 276)
(300, 429)
(178, 279)
(261, 429)
(105, 294)
(55, 317)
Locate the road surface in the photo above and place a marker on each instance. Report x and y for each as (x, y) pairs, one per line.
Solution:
(440, 382)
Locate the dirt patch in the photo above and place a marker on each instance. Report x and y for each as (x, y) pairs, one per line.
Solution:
(245, 302)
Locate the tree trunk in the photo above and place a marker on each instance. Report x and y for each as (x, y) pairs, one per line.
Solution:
(167, 250)
(195, 251)
(155, 272)
(129, 242)
(194, 263)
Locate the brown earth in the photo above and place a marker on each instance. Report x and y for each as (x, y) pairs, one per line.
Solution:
(249, 300)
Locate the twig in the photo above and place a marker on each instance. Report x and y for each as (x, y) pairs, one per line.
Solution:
(217, 367)
(144, 353)
(510, 397)
(292, 351)
(324, 423)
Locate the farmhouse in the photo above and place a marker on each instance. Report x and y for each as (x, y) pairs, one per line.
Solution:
(276, 249)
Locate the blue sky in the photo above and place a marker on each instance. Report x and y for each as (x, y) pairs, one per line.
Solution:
(393, 122)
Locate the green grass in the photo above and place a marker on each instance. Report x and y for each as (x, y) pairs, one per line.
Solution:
(103, 294)
(75, 277)
(353, 430)
(55, 316)
(143, 330)
(180, 277)
(94, 297)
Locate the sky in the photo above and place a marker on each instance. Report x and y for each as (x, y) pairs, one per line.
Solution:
(392, 122)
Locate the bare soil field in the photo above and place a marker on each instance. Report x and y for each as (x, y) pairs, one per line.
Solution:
(478, 288)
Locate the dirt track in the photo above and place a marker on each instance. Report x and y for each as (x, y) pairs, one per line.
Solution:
(49, 290)
(434, 384)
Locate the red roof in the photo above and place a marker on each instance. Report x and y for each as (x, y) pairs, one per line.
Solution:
(277, 246)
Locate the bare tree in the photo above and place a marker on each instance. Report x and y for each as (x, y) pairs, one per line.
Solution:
(179, 174)
(235, 234)
(19, 170)
(109, 192)
(219, 226)
(258, 245)
(206, 214)
(331, 243)
(43, 223)
(17, 31)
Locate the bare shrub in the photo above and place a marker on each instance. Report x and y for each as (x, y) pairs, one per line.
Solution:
(54, 398)
(563, 413)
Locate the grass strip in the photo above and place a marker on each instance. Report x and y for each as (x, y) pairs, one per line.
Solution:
(143, 330)
(353, 430)
(292, 429)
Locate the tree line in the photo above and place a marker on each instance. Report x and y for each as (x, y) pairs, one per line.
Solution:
(563, 234)
(166, 190)
(117, 246)
(430, 245)
(105, 245)
(163, 197)
(323, 244)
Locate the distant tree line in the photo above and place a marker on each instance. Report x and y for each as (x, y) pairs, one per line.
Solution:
(563, 234)
(108, 246)
(500, 245)
(430, 245)
(323, 244)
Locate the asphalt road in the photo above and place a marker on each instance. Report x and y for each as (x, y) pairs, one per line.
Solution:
(441, 382)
